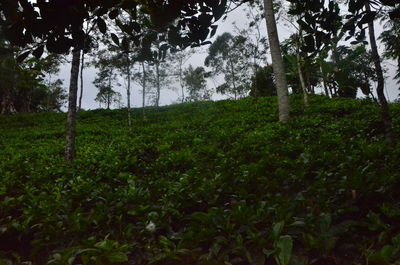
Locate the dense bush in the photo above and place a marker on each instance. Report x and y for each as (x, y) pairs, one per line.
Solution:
(203, 183)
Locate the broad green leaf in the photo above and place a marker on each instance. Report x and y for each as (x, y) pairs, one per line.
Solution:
(117, 257)
(277, 229)
(285, 247)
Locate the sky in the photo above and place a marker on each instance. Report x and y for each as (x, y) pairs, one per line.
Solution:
(171, 96)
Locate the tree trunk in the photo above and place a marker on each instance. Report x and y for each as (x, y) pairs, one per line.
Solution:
(6, 102)
(109, 92)
(128, 90)
(387, 121)
(299, 70)
(144, 90)
(303, 84)
(71, 118)
(181, 79)
(158, 84)
(277, 62)
(324, 81)
(81, 72)
(233, 79)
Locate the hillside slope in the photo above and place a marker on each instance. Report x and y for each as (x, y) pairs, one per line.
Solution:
(203, 183)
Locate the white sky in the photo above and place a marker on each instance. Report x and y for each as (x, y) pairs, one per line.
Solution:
(170, 96)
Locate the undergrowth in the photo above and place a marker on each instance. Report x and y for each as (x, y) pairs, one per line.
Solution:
(203, 183)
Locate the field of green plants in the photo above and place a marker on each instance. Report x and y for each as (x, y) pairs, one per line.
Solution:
(203, 183)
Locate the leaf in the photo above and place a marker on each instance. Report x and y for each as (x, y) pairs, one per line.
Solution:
(390, 2)
(23, 56)
(102, 25)
(310, 43)
(219, 11)
(285, 247)
(115, 39)
(104, 245)
(213, 30)
(368, 17)
(38, 52)
(113, 14)
(277, 229)
(117, 257)
(304, 26)
(136, 26)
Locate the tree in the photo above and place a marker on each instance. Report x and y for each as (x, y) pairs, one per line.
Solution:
(390, 38)
(263, 83)
(106, 78)
(28, 86)
(228, 55)
(301, 73)
(196, 84)
(158, 78)
(256, 42)
(387, 121)
(351, 69)
(107, 96)
(177, 59)
(277, 62)
(72, 98)
(322, 22)
(89, 44)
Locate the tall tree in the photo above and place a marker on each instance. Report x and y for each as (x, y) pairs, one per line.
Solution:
(106, 78)
(387, 121)
(263, 83)
(390, 38)
(229, 55)
(277, 62)
(72, 98)
(178, 58)
(196, 84)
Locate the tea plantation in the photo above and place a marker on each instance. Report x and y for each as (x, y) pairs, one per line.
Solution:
(203, 183)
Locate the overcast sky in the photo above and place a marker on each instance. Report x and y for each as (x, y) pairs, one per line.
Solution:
(171, 96)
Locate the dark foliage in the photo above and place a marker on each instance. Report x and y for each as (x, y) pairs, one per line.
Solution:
(203, 183)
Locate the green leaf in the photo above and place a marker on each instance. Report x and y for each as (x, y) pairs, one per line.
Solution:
(38, 52)
(115, 39)
(102, 25)
(285, 247)
(23, 56)
(113, 14)
(104, 245)
(277, 229)
(117, 257)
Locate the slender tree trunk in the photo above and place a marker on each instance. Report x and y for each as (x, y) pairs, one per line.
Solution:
(181, 80)
(128, 90)
(299, 70)
(81, 77)
(158, 84)
(109, 92)
(387, 121)
(233, 79)
(303, 84)
(71, 118)
(277, 62)
(7, 101)
(144, 90)
(324, 81)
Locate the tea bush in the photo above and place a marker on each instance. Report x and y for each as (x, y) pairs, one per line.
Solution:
(203, 183)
